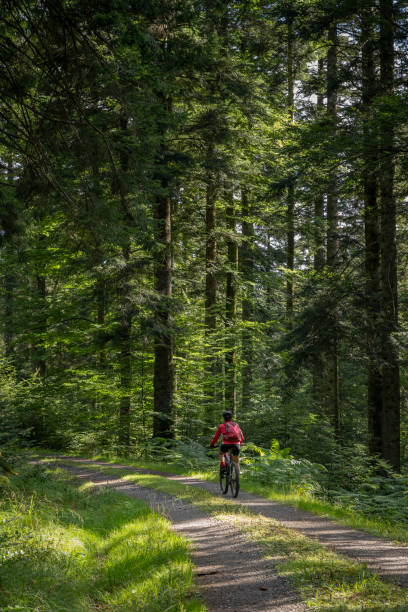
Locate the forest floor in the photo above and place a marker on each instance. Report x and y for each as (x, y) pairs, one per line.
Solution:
(358, 572)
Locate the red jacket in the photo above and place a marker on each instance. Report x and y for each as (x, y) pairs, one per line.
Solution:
(228, 437)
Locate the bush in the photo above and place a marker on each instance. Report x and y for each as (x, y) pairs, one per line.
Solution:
(87, 443)
(277, 467)
(186, 452)
(12, 429)
(382, 494)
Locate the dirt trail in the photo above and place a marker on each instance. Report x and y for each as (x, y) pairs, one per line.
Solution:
(230, 574)
(385, 558)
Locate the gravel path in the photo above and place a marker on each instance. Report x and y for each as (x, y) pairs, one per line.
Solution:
(385, 558)
(231, 572)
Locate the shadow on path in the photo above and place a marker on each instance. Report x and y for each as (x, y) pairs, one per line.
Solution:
(382, 557)
(231, 573)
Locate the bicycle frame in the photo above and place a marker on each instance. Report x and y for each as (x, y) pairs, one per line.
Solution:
(229, 478)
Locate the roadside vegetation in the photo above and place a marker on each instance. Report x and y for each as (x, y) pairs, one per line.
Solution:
(326, 581)
(359, 497)
(69, 549)
(203, 206)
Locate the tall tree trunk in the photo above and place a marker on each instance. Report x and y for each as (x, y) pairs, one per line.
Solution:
(210, 249)
(125, 367)
(213, 367)
(100, 291)
(332, 216)
(247, 272)
(290, 374)
(163, 341)
(388, 249)
(372, 240)
(319, 234)
(290, 212)
(319, 258)
(9, 283)
(332, 200)
(231, 307)
(39, 363)
(126, 317)
(40, 291)
(270, 299)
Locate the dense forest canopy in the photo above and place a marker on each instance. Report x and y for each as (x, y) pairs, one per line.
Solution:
(203, 206)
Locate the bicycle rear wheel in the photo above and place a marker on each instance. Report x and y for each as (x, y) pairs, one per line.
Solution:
(224, 478)
(234, 480)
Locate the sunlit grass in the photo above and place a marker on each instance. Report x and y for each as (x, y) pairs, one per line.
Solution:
(64, 549)
(325, 580)
(378, 526)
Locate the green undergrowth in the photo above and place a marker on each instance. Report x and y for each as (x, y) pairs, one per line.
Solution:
(346, 515)
(326, 581)
(379, 526)
(69, 549)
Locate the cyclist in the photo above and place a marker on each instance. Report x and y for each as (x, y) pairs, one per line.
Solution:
(232, 438)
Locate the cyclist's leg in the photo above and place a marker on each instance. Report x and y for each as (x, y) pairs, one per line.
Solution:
(235, 456)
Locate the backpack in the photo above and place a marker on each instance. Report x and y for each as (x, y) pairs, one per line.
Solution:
(232, 430)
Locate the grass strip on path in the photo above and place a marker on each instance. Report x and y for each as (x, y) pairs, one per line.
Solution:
(378, 526)
(327, 581)
(69, 549)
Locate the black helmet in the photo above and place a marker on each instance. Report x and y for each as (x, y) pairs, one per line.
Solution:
(227, 414)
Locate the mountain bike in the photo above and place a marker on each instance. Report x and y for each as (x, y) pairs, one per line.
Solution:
(229, 476)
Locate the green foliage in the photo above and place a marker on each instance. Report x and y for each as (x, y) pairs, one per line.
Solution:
(278, 468)
(377, 495)
(187, 453)
(86, 443)
(4, 482)
(109, 113)
(67, 549)
(14, 396)
(326, 580)
(351, 480)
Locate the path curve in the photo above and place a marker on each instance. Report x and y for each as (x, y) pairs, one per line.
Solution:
(382, 557)
(230, 574)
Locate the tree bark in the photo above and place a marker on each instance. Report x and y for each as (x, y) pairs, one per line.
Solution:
(9, 281)
(289, 372)
(247, 272)
(100, 291)
(319, 258)
(290, 212)
(40, 362)
(125, 315)
(332, 215)
(231, 307)
(125, 367)
(9, 284)
(372, 239)
(163, 341)
(332, 201)
(319, 250)
(388, 249)
(213, 366)
(210, 250)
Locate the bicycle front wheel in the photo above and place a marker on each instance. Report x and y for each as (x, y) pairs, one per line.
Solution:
(224, 479)
(235, 480)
